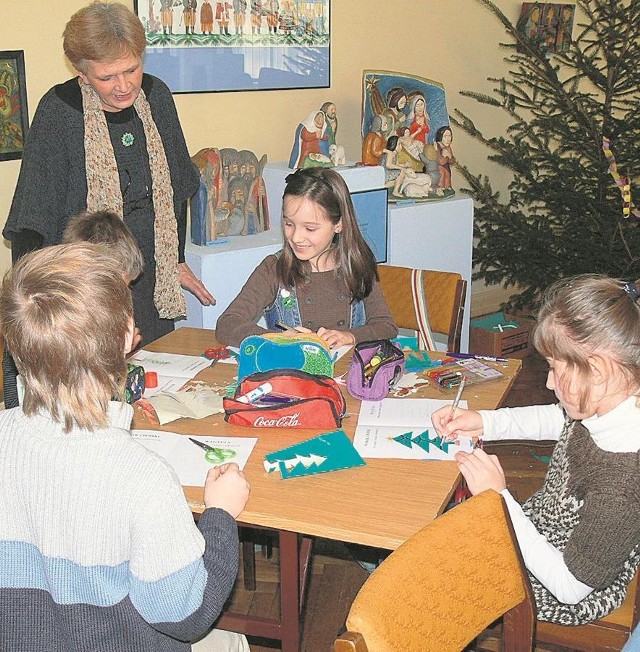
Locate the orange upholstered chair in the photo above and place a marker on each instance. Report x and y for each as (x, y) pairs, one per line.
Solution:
(425, 301)
(445, 585)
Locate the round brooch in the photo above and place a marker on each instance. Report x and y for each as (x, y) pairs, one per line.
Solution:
(127, 139)
(287, 300)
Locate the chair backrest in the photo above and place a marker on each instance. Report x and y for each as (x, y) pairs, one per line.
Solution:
(445, 585)
(444, 296)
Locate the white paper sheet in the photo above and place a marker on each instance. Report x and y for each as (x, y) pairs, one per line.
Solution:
(380, 421)
(173, 369)
(198, 404)
(187, 459)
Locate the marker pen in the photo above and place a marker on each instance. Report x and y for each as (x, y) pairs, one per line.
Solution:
(473, 356)
(272, 398)
(255, 393)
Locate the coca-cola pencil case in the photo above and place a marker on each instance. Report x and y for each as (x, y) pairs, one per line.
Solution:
(295, 399)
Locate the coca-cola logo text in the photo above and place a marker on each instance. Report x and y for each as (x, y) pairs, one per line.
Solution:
(287, 421)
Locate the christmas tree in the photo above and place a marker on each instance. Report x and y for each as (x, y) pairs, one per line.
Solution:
(567, 210)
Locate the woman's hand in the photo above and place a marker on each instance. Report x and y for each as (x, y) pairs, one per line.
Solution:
(336, 339)
(189, 282)
(481, 471)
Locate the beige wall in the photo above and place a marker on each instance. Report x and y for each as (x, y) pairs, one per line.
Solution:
(454, 42)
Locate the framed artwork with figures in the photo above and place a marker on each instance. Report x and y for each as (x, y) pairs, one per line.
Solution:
(237, 45)
(14, 120)
(548, 24)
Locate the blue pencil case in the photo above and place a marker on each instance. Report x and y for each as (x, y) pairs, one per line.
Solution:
(303, 352)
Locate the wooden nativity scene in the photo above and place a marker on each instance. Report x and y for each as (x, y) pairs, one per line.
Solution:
(232, 197)
(314, 143)
(405, 129)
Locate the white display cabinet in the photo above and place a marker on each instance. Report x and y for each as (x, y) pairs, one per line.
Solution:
(224, 269)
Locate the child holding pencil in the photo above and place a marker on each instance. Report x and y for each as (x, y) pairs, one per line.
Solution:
(580, 533)
(99, 548)
(323, 281)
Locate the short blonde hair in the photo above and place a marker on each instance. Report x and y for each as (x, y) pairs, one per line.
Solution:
(107, 229)
(103, 31)
(586, 315)
(65, 312)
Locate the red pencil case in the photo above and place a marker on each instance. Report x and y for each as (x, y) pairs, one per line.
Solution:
(306, 401)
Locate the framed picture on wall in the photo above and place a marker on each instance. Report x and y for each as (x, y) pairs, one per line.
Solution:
(548, 24)
(14, 119)
(200, 46)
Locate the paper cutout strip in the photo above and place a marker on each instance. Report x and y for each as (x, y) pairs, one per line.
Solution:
(628, 207)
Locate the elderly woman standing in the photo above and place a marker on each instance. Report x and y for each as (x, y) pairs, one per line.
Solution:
(110, 139)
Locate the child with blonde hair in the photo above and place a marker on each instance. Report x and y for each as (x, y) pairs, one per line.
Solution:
(580, 533)
(99, 547)
(102, 228)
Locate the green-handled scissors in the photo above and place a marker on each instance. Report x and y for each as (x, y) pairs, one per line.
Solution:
(214, 455)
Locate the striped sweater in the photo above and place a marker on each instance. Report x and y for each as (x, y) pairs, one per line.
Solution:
(98, 548)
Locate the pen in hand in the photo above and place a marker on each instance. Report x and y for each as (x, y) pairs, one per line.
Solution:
(456, 400)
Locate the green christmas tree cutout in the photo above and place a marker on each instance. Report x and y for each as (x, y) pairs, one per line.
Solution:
(423, 441)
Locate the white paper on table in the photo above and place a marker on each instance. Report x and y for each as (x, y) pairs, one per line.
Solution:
(341, 351)
(197, 404)
(173, 369)
(380, 421)
(187, 459)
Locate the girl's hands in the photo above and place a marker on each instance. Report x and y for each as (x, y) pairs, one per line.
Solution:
(336, 339)
(461, 422)
(481, 471)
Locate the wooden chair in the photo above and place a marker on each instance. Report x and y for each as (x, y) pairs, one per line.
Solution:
(604, 634)
(445, 585)
(425, 301)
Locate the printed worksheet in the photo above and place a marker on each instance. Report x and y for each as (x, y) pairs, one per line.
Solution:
(398, 428)
(192, 456)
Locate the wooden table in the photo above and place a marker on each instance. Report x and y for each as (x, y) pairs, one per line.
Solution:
(381, 504)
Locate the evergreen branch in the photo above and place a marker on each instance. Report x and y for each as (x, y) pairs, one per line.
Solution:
(563, 212)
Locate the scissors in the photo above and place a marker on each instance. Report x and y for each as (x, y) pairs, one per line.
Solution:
(214, 455)
(219, 353)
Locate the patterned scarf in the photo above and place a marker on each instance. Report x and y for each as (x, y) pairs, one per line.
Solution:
(103, 193)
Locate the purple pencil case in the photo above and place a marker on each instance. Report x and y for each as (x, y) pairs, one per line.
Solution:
(375, 368)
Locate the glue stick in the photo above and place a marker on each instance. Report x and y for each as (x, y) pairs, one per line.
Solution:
(255, 393)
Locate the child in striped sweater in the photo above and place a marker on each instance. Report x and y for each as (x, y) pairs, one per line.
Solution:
(99, 550)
